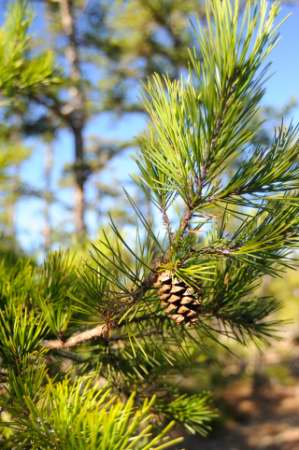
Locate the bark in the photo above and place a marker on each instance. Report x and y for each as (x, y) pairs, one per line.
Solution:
(98, 331)
(76, 115)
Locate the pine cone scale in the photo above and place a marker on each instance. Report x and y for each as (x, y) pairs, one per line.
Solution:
(187, 300)
(174, 299)
(170, 309)
(177, 289)
(164, 289)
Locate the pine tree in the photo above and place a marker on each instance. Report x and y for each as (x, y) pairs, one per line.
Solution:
(89, 355)
(97, 82)
(22, 73)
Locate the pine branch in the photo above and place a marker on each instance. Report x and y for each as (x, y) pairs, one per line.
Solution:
(100, 331)
(185, 222)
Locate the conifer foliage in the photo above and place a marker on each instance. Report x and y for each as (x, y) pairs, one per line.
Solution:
(22, 71)
(89, 354)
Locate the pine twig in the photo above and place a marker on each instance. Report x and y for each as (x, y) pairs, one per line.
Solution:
(100, 331)
(185, 221)
(167, 224)
(96, 332)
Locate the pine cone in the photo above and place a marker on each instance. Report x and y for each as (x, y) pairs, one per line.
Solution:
(179, 301)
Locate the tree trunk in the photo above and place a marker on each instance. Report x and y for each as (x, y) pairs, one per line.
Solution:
(77, 113)
(80, 180)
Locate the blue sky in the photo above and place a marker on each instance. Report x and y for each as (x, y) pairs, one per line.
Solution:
(283, 85)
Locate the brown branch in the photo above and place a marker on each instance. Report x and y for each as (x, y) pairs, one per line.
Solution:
(100, 331)
(167, 224)
(185, 222)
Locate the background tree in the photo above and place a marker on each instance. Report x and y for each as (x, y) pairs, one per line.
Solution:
(20, 74)
(94, 58)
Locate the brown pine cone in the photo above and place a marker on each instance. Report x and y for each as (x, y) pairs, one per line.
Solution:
(179, 301)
